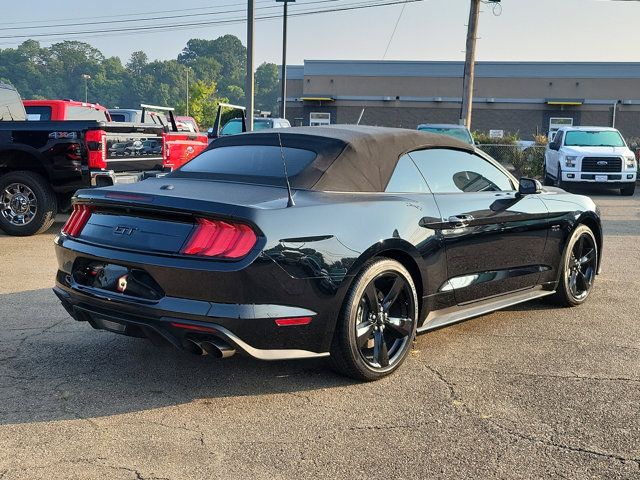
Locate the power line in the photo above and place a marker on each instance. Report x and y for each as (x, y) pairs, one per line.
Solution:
(170, 27)
(393, 34)
(167, 17)
(207, 7)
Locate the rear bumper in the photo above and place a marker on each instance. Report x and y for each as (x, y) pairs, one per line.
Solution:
(242, 302)
(159, 321)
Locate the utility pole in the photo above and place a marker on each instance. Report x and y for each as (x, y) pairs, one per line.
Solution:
(283, 73)
(470, 65)
(250, 82)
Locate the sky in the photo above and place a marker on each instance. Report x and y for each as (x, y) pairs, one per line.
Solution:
(525, 30)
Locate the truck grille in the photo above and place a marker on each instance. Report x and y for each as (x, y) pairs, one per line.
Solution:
(602, 164)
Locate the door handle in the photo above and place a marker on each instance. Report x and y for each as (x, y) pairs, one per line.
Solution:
(459, 221)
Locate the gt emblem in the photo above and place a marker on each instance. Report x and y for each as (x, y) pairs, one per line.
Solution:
(122, 230)
(602, 163)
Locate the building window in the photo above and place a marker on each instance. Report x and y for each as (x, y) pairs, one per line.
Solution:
(319, 119)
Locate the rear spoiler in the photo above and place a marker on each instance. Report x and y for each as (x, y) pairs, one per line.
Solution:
(215, 131)
(172, 119)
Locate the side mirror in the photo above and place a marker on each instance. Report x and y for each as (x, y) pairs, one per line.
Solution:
(211, 133)
(529, 186)
(554, 146)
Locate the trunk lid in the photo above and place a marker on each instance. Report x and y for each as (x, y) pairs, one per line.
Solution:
(158, 215)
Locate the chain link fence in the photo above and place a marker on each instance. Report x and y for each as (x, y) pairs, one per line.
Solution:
(521, 160)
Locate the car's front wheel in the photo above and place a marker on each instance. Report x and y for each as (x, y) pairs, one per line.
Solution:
(629, 190)
(546, 178)
(578, 268)
(377, 323)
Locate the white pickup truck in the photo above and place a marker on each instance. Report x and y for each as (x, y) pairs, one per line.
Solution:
(590, 155)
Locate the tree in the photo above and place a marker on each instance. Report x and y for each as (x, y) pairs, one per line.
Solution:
(267, 87)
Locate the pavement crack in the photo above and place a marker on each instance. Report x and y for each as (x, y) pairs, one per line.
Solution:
(455, 397)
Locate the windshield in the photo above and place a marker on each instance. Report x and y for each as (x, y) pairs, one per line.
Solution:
(604, 138)
(458, 133)
(261, 164)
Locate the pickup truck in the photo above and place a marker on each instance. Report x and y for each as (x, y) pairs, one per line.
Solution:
(43, 163)
(594, 156)
(44, 110)
(178, 144)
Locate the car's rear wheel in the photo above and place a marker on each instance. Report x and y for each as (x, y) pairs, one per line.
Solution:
(377, 323)
(578, 269)
(628, 191)
(28, 205)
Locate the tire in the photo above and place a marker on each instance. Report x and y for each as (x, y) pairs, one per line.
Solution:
(559, 183)
(628, 191)
(35, 209)
(386, 335)
(546, 179)
(566, 295)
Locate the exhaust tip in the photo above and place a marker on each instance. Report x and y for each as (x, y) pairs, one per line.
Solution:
(215, 348)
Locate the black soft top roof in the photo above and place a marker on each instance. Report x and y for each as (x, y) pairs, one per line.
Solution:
(349, 158)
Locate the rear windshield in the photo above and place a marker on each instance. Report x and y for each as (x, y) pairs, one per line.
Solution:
(594, 138)
(118, 117)
(457, 133)
(38, 113)
(248, 163)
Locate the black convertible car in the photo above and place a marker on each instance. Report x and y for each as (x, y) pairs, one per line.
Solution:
(311, 242)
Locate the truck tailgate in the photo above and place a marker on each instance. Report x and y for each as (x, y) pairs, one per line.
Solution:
(182, 147)
(133, 148)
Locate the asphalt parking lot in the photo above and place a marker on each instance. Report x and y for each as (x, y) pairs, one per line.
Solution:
(531, 392)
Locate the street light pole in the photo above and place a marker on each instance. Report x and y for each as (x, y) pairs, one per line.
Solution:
(250, 81)
(187, 91)
(86, 87)
(283, 72)
(470, 65)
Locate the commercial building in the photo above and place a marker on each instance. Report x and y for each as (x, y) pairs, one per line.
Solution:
(523, 97)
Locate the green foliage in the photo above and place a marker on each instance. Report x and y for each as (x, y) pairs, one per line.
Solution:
(216, 70)
(267, 87)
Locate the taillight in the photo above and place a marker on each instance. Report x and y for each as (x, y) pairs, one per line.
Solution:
(166, 152)
(96, 141)
(77, 221)
(215, 238)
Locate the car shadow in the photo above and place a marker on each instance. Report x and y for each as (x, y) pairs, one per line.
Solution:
(54, 368)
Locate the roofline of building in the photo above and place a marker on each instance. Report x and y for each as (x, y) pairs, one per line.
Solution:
(455, 69)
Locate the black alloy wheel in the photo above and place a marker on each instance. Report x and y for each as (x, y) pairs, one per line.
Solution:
(580, 265)
(378, 324)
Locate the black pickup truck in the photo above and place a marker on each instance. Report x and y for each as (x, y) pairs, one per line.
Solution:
(43, 163)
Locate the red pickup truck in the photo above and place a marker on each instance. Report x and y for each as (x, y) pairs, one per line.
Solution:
(176, 147)
(180, 141)
(54, 110)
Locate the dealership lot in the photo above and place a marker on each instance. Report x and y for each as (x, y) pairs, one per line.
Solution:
(529, 392)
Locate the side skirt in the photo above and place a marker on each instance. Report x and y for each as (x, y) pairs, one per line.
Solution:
(447, 316)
